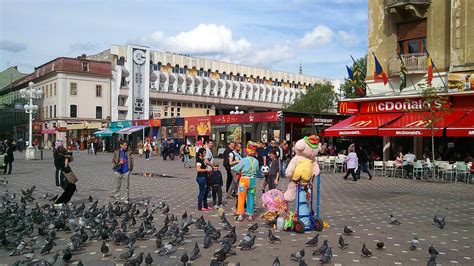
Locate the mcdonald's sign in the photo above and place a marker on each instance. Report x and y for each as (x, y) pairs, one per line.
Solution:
(419, 123)
(348, 108)
(362, 123)
(398, 105)
(372, 108)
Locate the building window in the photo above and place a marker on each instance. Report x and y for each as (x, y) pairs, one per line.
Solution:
(73, 90)
(54, 111)
(50, 90)
(166, 114)
(47, 92)
(411, 37)
(85, 66)
(98, 112)
(98, 90)
(54, 88)
(50, 111)
(46, 112)
(73, 110)
(121, 101)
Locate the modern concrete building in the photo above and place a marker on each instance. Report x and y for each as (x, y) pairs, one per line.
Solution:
(76, 99)
(408, 27)
(152, 84)
(9, 115)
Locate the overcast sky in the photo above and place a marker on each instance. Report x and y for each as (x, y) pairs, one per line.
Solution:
(322, 34)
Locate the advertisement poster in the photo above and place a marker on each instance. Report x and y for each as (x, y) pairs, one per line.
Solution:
(461, 81)
(264, 135)
(235, 133)
(276, 135)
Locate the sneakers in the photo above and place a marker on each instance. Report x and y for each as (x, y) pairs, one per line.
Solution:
(58, 206)
(234, 212)
(250, 218)
(239, 218)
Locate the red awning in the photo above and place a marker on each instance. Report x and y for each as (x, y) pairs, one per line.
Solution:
(462, 128)
(360, 125)
(415, 124)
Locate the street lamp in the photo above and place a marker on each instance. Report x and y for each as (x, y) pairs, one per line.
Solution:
(31, 93)
(236, 112)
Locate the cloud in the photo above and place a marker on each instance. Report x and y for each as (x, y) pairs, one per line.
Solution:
(347, 38)
(12, 46)
(205, 39)
(318, 37)
(268, 56)
(84, 46)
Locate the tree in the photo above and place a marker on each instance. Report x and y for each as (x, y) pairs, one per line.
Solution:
(319, 98)
(350, 91)
(433, 104)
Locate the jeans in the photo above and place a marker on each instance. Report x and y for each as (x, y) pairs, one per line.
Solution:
(202, 196)
(364, 167)
(283, 168)
(186, 160)
(119, 178)
(246, 195)
(228, 181)
(351, 171)
(217, 194)
(8, 165)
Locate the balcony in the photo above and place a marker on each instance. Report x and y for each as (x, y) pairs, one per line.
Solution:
(415, 63)
(403, 10)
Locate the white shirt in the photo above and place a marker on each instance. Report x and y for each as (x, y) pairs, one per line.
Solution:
(352, 160)
(209, 156)
(410, 157)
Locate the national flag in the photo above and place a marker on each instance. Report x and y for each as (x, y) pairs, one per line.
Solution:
(358, 83)
(379, 73)
(350, 73)
(430, 70)
(403, 75)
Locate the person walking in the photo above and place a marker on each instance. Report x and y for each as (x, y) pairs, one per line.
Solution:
(351, 162)
(164, 151)
(9, 157)
(186, 156)
(249, 168)
(62, 160)
(201, 179)
(363, 159)
(147, 148)
(228, 155)
(122, 165)
(140, 148)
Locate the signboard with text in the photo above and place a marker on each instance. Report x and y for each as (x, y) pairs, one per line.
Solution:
(396, 106)
(347, 107)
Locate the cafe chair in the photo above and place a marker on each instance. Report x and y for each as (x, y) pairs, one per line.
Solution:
(378, 166)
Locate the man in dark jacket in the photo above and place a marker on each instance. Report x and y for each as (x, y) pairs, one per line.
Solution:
(9, 158)
(122, 163)
(363, 158)
(228, 152)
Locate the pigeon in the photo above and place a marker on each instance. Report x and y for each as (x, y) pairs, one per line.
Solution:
(166, 210)
(433, 251)
(184, 216)
(127, 254)
(439, 221)
(380, 245)
(253, 227)
(365, 251)
(80, 263)
(313, 241)
(67, 254)
(302, 263)
(104, 249)
(297, 255)
(158, 242)
(342, 243)
(184, 258)
(167, 249)
(247, 245)
(322, 249)
(276, 262)
(47, 248)
(348, 231)
(148, 259)
(272, 237)
(196, 253)
(207, 241)
(90, 198)
(414, 243)
(326, 257)
(51, 260)
(432, 261)
(394, 220)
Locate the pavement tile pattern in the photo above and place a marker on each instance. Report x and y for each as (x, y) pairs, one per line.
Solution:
(364, 206)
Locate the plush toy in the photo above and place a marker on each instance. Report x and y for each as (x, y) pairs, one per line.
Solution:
(303, 166)
(274, 201)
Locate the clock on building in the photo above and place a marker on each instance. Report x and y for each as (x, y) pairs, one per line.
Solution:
(139, 57)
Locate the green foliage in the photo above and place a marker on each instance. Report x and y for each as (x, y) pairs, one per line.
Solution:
(319, 98)
(349, 86)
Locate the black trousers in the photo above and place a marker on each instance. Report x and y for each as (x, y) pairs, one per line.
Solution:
(164, 152)
(147, 154)
(351, 171)
(67, 194)
(228, 181)
(9, 166)
(217, 194)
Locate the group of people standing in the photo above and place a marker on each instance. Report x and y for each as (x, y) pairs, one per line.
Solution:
(357, 161)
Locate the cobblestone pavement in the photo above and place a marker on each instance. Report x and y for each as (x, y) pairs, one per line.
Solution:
(364, 206)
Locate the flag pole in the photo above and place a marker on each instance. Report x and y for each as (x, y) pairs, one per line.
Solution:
(439, 75)
(400, 57)
(365, 75)
(389, 83)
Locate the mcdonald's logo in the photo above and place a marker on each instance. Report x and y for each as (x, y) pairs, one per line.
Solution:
(343, 108)
(372, 108)
(362, 123)
(419, 123)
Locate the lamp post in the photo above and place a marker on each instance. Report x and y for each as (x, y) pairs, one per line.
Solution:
(31, 93)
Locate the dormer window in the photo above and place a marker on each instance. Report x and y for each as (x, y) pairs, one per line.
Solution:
(85, 66)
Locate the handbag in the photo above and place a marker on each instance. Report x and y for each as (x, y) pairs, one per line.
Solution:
(70, 175)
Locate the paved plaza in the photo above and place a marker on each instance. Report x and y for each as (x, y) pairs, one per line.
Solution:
(364, 206)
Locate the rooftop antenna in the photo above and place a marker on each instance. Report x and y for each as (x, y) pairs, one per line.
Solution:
(300, 71)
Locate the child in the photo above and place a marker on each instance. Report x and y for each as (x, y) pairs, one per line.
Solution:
(273, 176)
(217, 187)
(186, 156)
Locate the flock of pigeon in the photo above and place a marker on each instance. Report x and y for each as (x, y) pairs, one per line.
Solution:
(25, 226)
